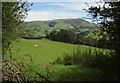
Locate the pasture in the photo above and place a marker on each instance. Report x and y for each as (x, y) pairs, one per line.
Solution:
(37, 55)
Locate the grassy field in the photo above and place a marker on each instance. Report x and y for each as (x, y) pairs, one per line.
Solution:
(38, 59)
(45, 51)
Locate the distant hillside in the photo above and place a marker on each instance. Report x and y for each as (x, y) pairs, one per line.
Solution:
(47, 26)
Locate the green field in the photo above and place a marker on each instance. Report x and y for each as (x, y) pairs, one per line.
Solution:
(38, 58)
(45, 52)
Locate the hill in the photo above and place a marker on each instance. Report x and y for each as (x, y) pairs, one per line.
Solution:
(43, 27)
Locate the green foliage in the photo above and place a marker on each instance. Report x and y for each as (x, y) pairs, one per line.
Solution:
(13, 14)
(41, 26)
(53, 35)
(63, 35)
(109, 18)
(94, 37)
(67, 36)
(88, 57)
(58, 61)
(67, 59)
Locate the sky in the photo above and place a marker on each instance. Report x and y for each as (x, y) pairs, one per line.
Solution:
(59, 9)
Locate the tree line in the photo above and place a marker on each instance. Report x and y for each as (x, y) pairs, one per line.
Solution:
(69, 36)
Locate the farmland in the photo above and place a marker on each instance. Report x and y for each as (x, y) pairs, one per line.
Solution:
(60, 41)
(65, 49)
(38, 58)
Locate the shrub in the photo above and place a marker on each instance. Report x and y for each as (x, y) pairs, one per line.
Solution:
(37, 37)
(67, 59)
(87, 57)
(82, 57)
(58, 61)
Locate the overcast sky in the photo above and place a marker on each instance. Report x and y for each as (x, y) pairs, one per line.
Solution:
(58, 9)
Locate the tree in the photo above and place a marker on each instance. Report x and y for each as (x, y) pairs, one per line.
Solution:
(109, 18)
(67, 36)
(53, 35)
(63, 35)
(13, 14)
(52, 24)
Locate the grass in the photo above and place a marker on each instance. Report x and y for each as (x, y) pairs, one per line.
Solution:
(45, 52)
(78, 73)
(36, 59)
(89, 57)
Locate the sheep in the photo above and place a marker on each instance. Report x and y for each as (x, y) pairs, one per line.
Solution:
(36, 45)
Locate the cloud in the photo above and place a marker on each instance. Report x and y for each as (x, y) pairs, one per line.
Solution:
(63, 0)
(38, 15)
(74, 6)
(50, 11)
(50, 15)
(69, 6)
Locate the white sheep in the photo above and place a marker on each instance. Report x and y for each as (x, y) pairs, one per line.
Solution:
(35, 45)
